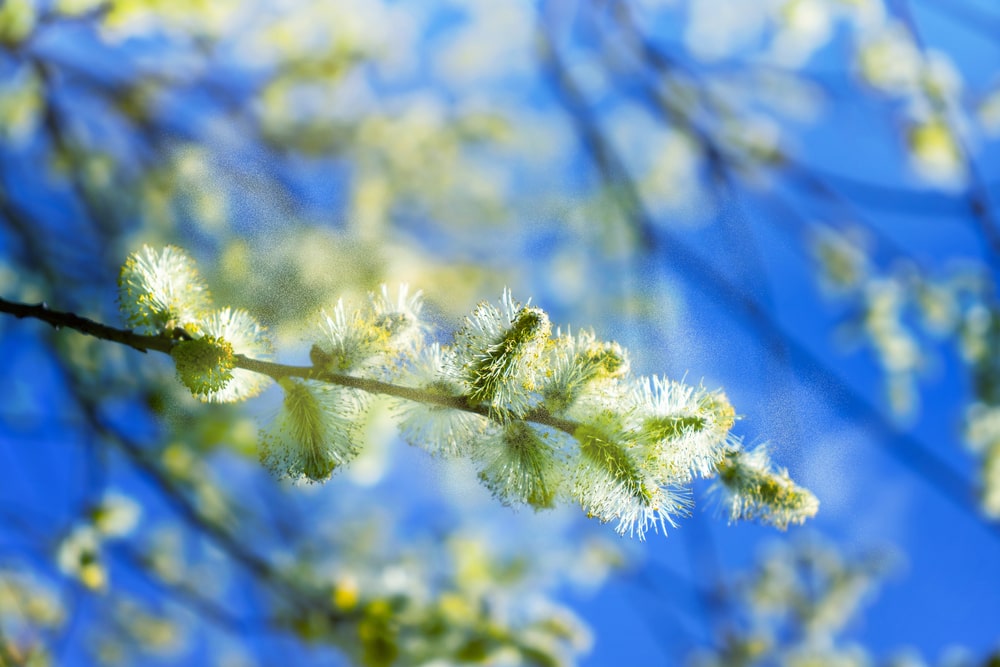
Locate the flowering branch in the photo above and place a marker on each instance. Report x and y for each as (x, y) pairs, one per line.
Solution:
(165, 343)
(544, 417)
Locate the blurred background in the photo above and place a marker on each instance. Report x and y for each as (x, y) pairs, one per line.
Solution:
(792, 200)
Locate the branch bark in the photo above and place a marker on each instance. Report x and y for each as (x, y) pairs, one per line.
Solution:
(164, 343)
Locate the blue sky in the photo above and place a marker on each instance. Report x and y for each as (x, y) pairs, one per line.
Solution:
(821, 405)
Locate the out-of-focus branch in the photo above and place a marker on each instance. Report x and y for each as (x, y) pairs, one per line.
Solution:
(157, 134)
(232, 546)
(815, 181)
(978, 196)
(185, 594)
(897, 199)
(906, 449)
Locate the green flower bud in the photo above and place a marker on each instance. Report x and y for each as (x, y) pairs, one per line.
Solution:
(313, 434)
(751, 489)
(204, 365)
(500, 354)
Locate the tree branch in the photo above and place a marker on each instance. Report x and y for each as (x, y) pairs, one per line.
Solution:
(164, 343)
(61, 319)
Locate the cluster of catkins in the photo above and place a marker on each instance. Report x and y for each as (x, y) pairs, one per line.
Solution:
(546, 416)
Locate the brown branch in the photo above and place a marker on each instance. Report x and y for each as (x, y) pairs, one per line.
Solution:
(164, 343)
(60, 320)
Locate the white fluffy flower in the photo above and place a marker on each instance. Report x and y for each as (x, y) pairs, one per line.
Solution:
(682, 429)
(117, 515)
(611, 484)
(519, 465)
(399, 317)
(345, 339)
(582, 372)
(158, 290)
(313, 434)
(79, 556)
(247, 337)
(371, 339)
(500, 354)
(439, 430)
(749, 487)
